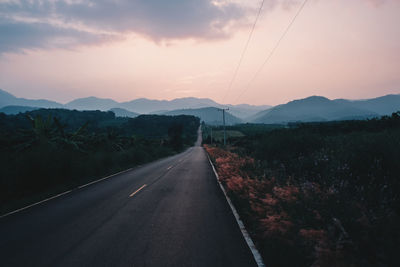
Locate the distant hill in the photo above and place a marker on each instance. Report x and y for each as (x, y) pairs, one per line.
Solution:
(315, 108)
(120, 112)
(209, 115)
(157, 112)
(13, 110)
(92, 103)
(144, 105)
(244, 111)
(384, 105)
(140, 106)
(258, 116)
(7, 99)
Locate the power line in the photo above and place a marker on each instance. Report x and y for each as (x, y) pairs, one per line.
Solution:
(273, 49)
(244, 50)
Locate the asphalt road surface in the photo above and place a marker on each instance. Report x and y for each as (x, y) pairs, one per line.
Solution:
(167, 213)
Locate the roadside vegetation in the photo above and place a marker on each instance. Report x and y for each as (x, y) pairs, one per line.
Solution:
(47, 151)
(317, 194)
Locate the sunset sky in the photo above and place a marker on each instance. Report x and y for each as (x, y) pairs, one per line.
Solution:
(159, 49)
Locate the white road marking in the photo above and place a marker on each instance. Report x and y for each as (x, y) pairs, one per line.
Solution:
(37, 203)
(82, 186)
(64, 193)
(137, 191)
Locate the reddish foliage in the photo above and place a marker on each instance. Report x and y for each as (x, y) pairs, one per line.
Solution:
(275, 224)
(286, 193)
(269, 200)
(263, 196)
(270, 205)
(235, 184)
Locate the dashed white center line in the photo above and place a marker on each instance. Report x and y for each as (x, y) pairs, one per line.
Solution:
(170, 167)
(137, 191)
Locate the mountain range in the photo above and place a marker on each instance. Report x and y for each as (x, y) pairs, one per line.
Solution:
(10, 104)
(317, 108)
(7, 99)
(314, 108)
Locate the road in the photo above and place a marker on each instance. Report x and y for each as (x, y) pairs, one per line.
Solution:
(167, 213)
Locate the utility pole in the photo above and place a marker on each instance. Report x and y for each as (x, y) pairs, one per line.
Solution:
(223, 118)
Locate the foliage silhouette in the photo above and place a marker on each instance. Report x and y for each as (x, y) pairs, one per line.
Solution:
(40, 157)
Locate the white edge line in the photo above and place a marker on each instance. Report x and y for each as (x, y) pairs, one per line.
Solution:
(34, 204)
(249, 241)
(64, 193)
(112, 175)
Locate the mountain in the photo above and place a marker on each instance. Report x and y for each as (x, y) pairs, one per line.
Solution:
(258, 116)
(92, 103)
(13, 110)
(244, 111)
(7, 99)
(140, 106)
(144, 105)
(314, 108)
(192, 102)
(158, 112)
(209, 115)
(384, 105)
(120, 112)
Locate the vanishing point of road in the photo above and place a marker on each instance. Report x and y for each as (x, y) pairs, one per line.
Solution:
(167, 213)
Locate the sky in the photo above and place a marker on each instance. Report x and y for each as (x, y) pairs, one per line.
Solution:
(158, 49)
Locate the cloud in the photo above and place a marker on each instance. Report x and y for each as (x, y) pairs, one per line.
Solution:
(28, 24)
(157, 19)
(16, 36)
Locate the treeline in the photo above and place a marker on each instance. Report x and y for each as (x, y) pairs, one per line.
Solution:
(49, 150)
(245, 128)
(323, 194)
